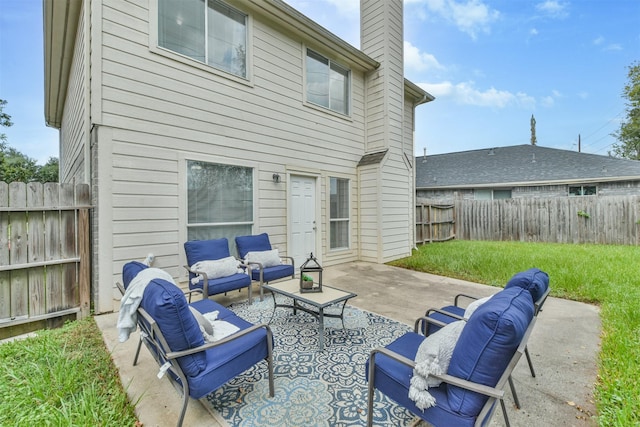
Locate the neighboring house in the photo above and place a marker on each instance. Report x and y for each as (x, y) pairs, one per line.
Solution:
(195, 120)
(523, 171)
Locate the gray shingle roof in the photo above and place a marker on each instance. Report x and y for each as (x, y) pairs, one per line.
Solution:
(520, 165)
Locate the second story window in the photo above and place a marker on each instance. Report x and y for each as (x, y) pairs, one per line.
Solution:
(327, 83)
(208, 31)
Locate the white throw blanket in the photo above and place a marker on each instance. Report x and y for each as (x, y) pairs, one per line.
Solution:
(433, 357)
(128, 315)
(221, 328)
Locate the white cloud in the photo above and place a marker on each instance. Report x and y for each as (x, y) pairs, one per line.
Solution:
(583, 95)
(345, 7)
(600, 41)
(470, 16)
(613, 46)
(419, 61)
(533, 32)
(547, 101)
(467, 94)
(553, 8)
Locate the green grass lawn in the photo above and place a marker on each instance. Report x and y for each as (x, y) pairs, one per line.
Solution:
(62, 377)
(599, 274)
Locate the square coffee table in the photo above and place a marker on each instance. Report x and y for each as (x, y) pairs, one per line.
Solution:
(317, 300)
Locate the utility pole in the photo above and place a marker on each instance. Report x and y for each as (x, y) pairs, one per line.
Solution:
(579, 147)
(534, 141)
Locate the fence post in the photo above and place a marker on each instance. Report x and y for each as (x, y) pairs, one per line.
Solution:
(84, 274)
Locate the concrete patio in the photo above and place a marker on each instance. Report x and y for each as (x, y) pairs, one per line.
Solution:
(564, 348)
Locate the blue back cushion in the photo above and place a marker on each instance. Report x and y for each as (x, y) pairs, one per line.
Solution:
(130, 270)
(534, 280)
(203, 250)
(168, 306)
(487, 344)
(255, 243)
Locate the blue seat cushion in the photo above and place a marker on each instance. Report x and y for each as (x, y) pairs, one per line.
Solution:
(487, 344)
(272, 273)
(534, 280)
(224, 284)
(229, 360)
(393, 379)
(207, 306)
(204, 250)
(253, 243)
(167, 305)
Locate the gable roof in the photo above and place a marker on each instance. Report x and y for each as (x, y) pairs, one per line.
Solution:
(520, 165)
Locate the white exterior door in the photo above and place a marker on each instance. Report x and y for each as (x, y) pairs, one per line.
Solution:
(302, 218)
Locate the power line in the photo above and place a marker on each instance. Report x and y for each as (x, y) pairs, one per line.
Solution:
(600, 128)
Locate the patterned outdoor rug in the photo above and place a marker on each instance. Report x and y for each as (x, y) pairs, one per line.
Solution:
(312, 388)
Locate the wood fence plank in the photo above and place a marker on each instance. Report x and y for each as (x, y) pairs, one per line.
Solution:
(68, 247)
(18, 250)
(53, 248)
(35, 249)
(84, 274)
(5, 277)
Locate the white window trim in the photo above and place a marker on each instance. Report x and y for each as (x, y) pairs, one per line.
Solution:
(182, 191)
(318, 107)
(248, 80)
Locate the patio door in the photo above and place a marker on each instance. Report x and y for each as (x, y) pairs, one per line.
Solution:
(302, 218)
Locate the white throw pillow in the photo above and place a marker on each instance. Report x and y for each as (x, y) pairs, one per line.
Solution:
(266, 258)
(215, 269)
(474, 305)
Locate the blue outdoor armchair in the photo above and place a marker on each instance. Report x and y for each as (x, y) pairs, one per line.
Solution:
(261, 272)
(534, 280)
(212, 250)
(486, 352)
(170, 330)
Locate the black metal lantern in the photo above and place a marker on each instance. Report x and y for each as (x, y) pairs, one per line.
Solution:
(311, 275)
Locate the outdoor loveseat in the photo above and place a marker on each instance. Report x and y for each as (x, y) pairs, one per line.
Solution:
(173, 331)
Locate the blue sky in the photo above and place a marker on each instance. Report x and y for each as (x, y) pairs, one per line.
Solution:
(491, 64)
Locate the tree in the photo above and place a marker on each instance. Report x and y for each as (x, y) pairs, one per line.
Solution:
(629, 132)
(48, 172)
(15, 166)
(5, 120)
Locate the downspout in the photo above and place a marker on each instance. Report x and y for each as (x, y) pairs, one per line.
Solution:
(415, 104)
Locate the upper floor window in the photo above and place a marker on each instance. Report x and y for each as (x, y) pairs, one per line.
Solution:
(327, 83)
(208, 31)
(339, 213)
(582, 190)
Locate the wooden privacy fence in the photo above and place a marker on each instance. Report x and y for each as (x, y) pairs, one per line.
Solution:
(434, 222)
(587, 219)
(44, 253)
